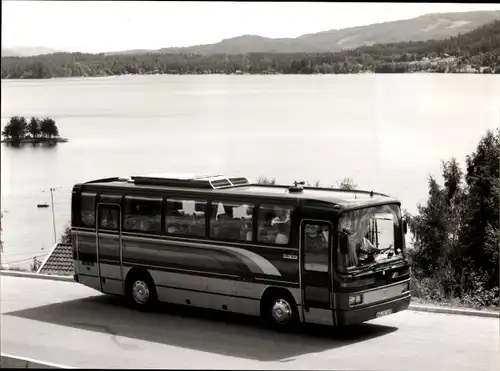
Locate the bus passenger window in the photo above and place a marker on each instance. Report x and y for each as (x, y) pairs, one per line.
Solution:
(274, 224)
(142, 214)
(87, 209)
(185, 217)
(316, 242)
(231, 221)
(108, 217)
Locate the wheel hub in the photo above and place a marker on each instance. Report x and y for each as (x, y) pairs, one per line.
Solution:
(140, 292)
(281, 311)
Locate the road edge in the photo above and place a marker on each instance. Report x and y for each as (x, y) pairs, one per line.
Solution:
(448, 310)
(11, 361)
(413, 307)
(36, 275)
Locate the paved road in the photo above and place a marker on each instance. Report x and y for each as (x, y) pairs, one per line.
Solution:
(66, 323)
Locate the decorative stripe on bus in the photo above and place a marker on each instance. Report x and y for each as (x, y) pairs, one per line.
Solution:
(132, 264)
(209, 292)
(255, 263)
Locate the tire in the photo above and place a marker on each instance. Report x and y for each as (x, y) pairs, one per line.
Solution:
(280, 312)
(141, 292)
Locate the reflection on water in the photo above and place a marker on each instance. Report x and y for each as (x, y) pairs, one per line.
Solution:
(388, 133)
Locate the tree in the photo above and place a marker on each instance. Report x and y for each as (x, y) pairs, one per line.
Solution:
(48, 128)
(66, 235)
(266, 180)
(456, 234)
(481, 222)
(34, 127)
(482, 44)
(429, 228)
(346, 183)
(16, 128)
(316, 183)
(35, 265)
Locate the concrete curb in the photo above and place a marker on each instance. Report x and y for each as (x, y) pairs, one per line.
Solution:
(36, 275)
(459, 311)
(10, 361)
(413, 307)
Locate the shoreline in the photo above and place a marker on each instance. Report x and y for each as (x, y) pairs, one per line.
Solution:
(35, 141)
(257, 74)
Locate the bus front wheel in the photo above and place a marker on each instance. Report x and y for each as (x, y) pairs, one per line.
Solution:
(280, 311)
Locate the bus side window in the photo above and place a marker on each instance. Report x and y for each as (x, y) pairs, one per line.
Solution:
(231, 221)
(142, 214)
(274, 224)
(185, 217)
(87, 209)
(109, 217)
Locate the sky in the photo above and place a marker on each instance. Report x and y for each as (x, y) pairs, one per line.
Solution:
(97, 26)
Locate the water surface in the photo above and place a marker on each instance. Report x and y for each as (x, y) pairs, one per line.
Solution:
(388, 132)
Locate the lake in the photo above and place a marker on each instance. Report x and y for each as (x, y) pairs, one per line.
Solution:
(387, 132)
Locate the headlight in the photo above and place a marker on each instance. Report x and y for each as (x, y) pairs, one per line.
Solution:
(406, 287)
(355, 299)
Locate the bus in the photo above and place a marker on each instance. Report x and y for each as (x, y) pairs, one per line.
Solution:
(288, 253)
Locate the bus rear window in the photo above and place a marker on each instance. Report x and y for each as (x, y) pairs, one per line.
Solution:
(87, 209)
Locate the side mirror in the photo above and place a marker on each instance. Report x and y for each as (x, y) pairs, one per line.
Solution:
(405, 226)
(344, 243)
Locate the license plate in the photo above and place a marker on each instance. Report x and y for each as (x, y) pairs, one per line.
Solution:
(383, 313)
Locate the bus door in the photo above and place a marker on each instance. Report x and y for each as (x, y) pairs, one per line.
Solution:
(315, 271)
(109, 248)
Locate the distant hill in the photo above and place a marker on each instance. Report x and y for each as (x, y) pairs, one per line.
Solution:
(427, 27)
(475, 51)
(28, 52)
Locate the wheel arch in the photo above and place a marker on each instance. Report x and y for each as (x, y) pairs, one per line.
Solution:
(272, 292)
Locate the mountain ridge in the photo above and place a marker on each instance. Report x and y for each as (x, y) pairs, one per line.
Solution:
(28, 51)
(474, 52)
(432, 26)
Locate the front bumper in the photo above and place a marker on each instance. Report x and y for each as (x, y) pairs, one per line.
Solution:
(359, 315)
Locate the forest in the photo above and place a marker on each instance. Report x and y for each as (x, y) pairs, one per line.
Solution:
(454, 242)
(455, 253)
(476, 51)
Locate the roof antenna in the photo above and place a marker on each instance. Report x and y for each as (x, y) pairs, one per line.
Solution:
(297, 187)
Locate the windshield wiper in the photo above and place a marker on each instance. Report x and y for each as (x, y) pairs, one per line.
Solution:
(364, 269)
(381, 251)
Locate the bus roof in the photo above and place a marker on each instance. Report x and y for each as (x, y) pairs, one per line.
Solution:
(241, 186)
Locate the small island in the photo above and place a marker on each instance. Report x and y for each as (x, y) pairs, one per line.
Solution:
(18, 131)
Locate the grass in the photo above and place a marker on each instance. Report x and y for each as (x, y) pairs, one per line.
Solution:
(429, 291)
(452, 303)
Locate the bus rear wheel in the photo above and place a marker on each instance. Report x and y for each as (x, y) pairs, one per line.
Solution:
(280, 312)
(141, 291)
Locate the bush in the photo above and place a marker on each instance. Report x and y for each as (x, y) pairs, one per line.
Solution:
(265, 180)
(66, 235)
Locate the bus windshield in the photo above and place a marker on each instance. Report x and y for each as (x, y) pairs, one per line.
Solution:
(373, 235)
